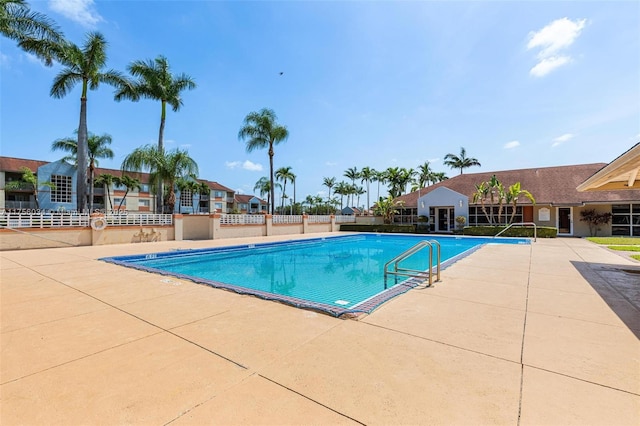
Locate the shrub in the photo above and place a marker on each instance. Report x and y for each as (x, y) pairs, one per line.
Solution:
(594, 219)
(490, 231)
(351, 227)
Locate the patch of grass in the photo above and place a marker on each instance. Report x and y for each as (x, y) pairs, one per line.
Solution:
(636, 256)
(624, 248)
(615, 241)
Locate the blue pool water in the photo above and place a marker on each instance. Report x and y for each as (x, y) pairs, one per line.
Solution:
(335, 274)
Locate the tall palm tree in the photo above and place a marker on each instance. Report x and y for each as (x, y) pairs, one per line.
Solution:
(460, 162)
(425, 175)
(164, 168)
(263, 186)
(512, 194)
(329, 183)
(261, 130)
(83, 65)
(285, 174)
(154, 81)
(98, 148)
(353, 174)
(32, 30)
(342, 189)
(367, 174)
(381, 178)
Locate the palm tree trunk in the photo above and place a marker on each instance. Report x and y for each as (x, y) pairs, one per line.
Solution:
(272, 189)
(160, 194)
(81, 184)
(91, 172)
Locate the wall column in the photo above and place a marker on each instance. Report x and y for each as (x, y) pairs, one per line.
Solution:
(214, 225)
(178, 226)
(305, 223)
(334, 226)
(268, 221)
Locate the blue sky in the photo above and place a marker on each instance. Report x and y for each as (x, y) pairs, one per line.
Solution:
(364, 83)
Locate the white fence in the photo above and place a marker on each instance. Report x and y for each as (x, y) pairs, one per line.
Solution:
(345, 219)
(66, 220)
(320, 219)
(284, 219)
(242, 219)
(138, 219)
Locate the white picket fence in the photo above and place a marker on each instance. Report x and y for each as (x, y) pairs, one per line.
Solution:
(345, 219)
(242, 219)
(284, 219)
(138, 219)
(319, 218)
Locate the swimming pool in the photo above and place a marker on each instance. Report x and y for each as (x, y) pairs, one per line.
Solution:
(337, 275)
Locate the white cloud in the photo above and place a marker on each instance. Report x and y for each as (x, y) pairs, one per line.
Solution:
(557, 36)
(547, 65)
(561, 139)
(5, 61)
(331, 163)
(247, 165)
(512, 144)
(80, 11)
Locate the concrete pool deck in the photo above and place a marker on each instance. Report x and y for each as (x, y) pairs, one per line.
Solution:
(546, 334)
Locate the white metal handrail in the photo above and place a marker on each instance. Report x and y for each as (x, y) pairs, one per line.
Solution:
(414, 272)
(535, 229)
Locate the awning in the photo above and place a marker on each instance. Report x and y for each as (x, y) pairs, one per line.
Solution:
(622, 173)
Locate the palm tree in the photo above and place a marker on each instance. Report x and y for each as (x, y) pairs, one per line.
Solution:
(32, 30)
(203, 190)
(351, 173)
(425, 175)
(83, 65)
(460, 162)
(98, 148)
(164, 168)
(284, 174)
(342, 189)
(263, 185)
(107, 180)
(261, 130)
(439, 177)
(329, 183)
(131, 184)
(367, 174)
(394, 177)
(29, 180)
(381, 178)
(512, 194)
(155, 81)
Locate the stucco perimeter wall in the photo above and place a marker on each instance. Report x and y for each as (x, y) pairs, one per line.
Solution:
(196, 227)
(132, 234)
(318, 227)
(31, 238)
(238, 231)
(287, 229)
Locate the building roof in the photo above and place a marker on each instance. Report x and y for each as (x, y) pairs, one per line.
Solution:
(548, 185)
(216, 186)
(621, 173)
(11, 164)
(243, 198)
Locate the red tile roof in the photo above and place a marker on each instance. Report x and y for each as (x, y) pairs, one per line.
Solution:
(548, 185)
(10, 164)
(243, 198)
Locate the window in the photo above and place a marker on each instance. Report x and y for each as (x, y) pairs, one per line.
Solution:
(61, 193)
(144, 203)
(218, 194)
(186, 198)
(625, 220)
(218, 206)
(477, 215)
(144, 187)
(117, 201)
(243, 206)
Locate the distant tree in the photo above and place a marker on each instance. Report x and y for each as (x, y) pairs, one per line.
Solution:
(381, 178)
(342, 189)
(164, 167)
(264, 187)
(367, 175)
(130, 184)
(460, 162)
(329, 183)
(203, 190)
(284, 174)
(107, 180)
(513, 193)
(261, 130)
(98, 147)
(29, 181)
(387, 208)
(353, 174)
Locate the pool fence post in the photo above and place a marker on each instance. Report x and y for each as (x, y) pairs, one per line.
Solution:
(268, 222)
(305, 223)
(178, 227)
(214, 225)
(334, 228)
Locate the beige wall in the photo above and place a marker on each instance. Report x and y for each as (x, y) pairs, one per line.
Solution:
(238, 231)
(196, 227)
(132, 234)
(287, 229)
(30, 238)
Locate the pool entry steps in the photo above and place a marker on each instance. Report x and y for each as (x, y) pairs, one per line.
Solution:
(423, 274)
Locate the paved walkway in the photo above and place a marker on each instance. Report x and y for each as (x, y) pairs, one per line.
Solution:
(546, 334)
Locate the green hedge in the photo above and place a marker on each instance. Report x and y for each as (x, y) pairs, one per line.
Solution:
(352, 227)
(516, 231)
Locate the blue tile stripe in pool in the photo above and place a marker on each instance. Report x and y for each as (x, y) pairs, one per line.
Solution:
(337, 275)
